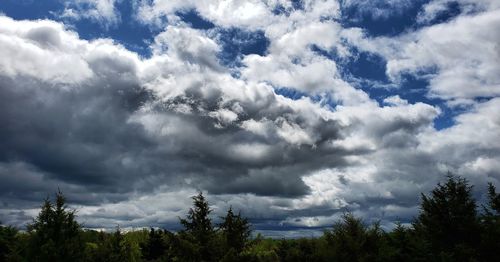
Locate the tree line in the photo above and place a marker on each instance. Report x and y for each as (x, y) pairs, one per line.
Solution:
(449, 227)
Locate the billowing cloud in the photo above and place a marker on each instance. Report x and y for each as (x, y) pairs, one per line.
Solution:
(127, 124)
(434, 9)
(103, 12)
(458, 60)
(377, 9)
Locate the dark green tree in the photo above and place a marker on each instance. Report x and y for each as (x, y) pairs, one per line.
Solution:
(351, 240)
(235, 230)
(55, 234)
(376, 245)
(196, 240)
(112, 247)
(155, 246)
(8, 243)
(448, 221)
(347, 238)
(297, 250)
(115, 247)
(404, 245)
(493, 201)
(490, 226)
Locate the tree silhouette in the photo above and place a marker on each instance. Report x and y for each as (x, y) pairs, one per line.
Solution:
(490, 231)
(155, 246)
(8, 242)
(347, 238)
(402, 244)
(448, 221)
(54, 233)
(198, 233)
(235, 230)
(493, 200)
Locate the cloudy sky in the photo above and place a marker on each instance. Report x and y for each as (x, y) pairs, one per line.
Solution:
(291, 111)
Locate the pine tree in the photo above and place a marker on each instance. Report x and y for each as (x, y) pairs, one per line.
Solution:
(155, 246)
(235, 230)
(55, 234)
(493, 200)
(347, 238)
(8, 243)
(198, 233)
(490, 223)
(448, 221)
(404, 246)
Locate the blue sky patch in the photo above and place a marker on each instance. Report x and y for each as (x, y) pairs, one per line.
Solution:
(236, 42)
(194, 19)
(394, 19)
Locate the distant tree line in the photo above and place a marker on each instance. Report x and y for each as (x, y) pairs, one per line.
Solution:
(449, 227)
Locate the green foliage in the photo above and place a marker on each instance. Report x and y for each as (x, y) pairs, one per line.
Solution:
(9, 244)
(351, 240)
(298, 250)
(347, 238)
(115, 247)
(401, 244)
(493, 208)
(261, 250)
(54, 233)
(448, 221)
(196, 240)
(198, 222)
(490, 233)
(235, 231)
(157, 245)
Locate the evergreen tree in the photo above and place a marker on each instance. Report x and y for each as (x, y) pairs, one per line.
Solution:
(490, 231)
(112, 247)
(235, 230)
(155, 246)
(375, 247)
(448, 221)
(297, 250)
(347, 238)
(493, 201)
(198, 234)
(55, 234)
(404, 245)
(8, 243)
(115, 245)
(351, 240)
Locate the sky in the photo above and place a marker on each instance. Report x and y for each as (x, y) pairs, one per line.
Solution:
(292, 112)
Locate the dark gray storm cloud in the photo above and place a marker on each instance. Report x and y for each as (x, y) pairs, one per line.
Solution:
(83, 136)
